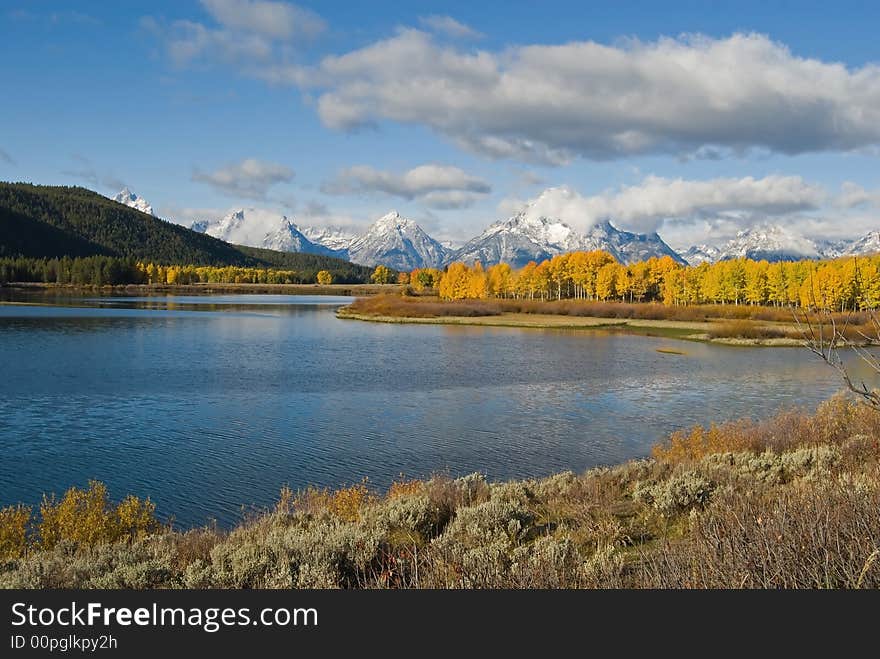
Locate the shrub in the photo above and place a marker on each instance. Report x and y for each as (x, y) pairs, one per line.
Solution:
(677, 494)
(86, 517)
(815, 535)
(14, 522)
(404, 488)
(345, 503)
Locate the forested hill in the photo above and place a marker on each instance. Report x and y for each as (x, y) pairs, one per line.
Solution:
(39, 221)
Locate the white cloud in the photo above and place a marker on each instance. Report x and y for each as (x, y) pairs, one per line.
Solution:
(317, 214)
(450, 27)
(249, 178)
(658, 201)
(248, 32)
(853, 195)
(437, 186)
(187, 41)
(691, 96)
(275, 20)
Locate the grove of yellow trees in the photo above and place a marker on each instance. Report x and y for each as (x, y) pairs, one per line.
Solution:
(191, 274)
(839, 284)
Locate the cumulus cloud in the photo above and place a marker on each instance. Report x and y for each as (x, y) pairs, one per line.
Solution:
(691, 96)
(658, 201)
(437, 186)
(250, 178)
(276, 20)
(246, 31)
(688, 212)
(449, 26)
(853, 195)
(678, 207)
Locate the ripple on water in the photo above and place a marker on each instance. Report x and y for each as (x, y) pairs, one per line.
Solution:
(206, 411)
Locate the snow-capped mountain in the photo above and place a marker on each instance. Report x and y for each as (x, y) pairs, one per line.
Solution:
(530, 237)
(129, 198)
(398, 243)
(864, 246)
(335, 237)
(770, 242)
(778, 243)
(200, 226)
(701, 254)
(518, 240)
(260, 228)
(628, 247)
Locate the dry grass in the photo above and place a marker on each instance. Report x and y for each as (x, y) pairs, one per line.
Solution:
(749, 324)
(835, 421)
(790, 502)
(747, 329)
(420, 307)
(432, 307)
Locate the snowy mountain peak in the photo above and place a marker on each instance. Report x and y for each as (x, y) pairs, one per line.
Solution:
(540, 229)
(779, 243)
(260, 228)
(864, 246)
(532, 235)
(397, 242)
(129, 198)
(393, 221)
(701, 254)
(770, 242)
(333, 237)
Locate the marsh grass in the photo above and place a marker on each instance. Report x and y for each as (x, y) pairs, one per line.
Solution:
(433, 307)
(748, 322)
(790, 502)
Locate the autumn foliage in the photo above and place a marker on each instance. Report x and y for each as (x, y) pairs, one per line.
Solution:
(82, 517)
(839, 284)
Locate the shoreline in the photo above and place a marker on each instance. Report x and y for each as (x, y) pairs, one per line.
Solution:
(345, 290)
(670, 329)
(779, 489)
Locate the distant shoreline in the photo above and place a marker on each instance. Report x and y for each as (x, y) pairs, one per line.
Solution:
(346, 290)
(670, 329)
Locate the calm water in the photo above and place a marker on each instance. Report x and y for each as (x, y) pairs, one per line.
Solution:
(209, 403)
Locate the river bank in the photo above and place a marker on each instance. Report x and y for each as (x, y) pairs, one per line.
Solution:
(672, 329)
(345, 290)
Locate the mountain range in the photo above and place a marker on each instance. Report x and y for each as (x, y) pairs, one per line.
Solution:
(41, 221)
(774, 242)
(402, 244)
(260, 228)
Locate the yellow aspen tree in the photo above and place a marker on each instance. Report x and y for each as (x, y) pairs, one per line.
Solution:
(606, 281)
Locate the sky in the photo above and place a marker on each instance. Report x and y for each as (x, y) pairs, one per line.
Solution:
(693, 119)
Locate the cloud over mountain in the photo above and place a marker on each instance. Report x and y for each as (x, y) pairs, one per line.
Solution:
(656, 200)
(437, 186)
(250, 178)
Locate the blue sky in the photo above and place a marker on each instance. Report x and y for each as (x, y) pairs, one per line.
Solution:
(693, 118)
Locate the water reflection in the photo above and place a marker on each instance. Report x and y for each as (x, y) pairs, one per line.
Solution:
(218, 402)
